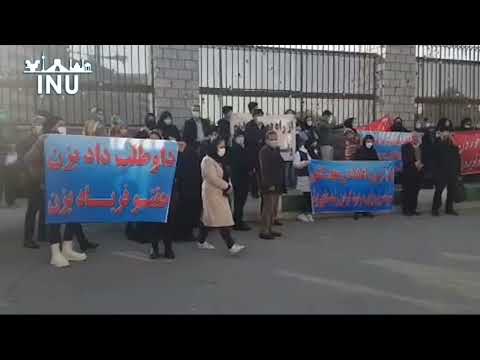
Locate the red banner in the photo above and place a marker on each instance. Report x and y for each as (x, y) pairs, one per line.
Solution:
(469, 145)
(383, 124)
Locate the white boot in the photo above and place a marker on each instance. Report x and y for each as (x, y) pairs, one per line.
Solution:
(70, 254)
(57, 259)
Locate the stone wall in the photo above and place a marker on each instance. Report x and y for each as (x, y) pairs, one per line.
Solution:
(396, 83)
(176, 80)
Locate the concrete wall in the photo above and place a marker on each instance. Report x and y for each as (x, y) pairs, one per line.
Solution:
(176, 79)
(396, 83)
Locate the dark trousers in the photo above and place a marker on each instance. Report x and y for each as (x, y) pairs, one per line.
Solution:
(225, 233)
(75, 230)
(36, 204)
(155, 231)
(307, 203)
(54, 232)
(269, 211)
(240, 195)
(437, 197)
(411, 187)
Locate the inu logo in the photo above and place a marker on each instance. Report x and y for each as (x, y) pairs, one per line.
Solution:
(57, 76)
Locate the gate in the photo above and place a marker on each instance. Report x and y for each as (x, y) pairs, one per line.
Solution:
(448, 82)
(305, 78)
(121, 82)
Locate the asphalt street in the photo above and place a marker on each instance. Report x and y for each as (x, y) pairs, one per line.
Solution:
(386, 265)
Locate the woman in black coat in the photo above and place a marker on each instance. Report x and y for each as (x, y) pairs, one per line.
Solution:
(366, 152)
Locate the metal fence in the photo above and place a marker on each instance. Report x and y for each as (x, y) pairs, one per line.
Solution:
(448, 82)
(121, 82)
(305, 78)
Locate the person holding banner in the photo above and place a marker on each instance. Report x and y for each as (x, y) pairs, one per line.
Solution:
(166, 126)
(366, 152)
(398, 125)
(446, 168)
(60, 257)
(271, 183)
(216, 188)
(301, 160)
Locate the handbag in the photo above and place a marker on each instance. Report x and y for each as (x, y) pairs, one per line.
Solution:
(460, 193)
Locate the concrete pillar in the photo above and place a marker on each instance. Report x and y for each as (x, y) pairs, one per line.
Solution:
(397, 82)
(176, 80)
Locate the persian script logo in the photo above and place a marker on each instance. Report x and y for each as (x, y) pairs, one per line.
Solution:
(57, 76)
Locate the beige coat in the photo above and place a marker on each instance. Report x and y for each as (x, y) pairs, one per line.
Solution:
(216, 208)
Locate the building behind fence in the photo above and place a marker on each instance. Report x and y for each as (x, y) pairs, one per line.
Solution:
(361, 81)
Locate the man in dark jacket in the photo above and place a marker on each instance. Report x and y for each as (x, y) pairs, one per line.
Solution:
(196, 130)
(411, 177)
(398, 125)
(466, 125)
(224, 124)
(254, 140)
(446, 169)
(240, 180)
(271, 182)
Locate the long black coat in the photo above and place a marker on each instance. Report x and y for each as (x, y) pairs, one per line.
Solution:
(238, 162)
(446, 162)
(365, 154)
(223, 130)
(190, 130)
(254, 140)
(170, 131)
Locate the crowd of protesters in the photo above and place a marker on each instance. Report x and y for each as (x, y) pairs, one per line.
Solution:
(216, 166)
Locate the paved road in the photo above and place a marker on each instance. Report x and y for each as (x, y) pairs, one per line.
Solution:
(389, 264)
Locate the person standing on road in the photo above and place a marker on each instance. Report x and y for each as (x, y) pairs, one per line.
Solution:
(301, 161)
(366, 152)
(271, 183)
(216, 187)
(324, 129)
(197, 130)
(411, 175)
(254, 140)
(446, 168)
(34, 158)
(352, 139)
(239, 166)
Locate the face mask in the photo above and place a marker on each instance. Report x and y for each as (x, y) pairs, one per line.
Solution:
(418, 126)
(168, 121)
(240, 141)
(62, 130)
(309, 123)
(195, 114)
(37, 129)
(221, 152)
(369, 145)
(467, 126)
(330, 119)
(272, 143)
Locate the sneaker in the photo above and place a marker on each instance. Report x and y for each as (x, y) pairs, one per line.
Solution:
(88, 245)
(303, 218)
(266, 236)
(235, 249)
(206, 245)
(275, 233)
(242, 227)
(310, 218)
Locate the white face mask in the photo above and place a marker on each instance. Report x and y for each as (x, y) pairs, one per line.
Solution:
(195, 114)
(221, 152)
(309, 122)
(368, 145)
(240, 140)
(272, 143)
(467, 126)
(330, 119)
(62, 130)
(37, 129)
(168, 121)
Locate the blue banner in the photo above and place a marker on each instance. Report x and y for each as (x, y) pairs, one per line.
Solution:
(389, 145)
(351, 186)
(108, 180)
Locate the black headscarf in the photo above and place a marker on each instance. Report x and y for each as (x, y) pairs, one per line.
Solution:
(349, 123)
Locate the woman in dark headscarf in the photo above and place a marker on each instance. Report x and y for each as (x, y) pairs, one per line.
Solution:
(216, 188)
(398, 125)
(366, 152)
(352, 139)
(169, 130)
